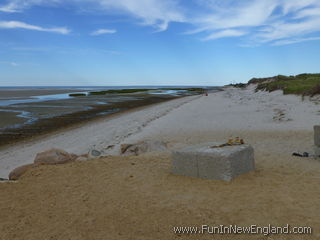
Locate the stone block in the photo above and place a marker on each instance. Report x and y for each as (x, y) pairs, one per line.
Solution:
(223, 163)
(317, 151)
(317, 135)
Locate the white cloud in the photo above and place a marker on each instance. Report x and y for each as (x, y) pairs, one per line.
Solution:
(103, 31)
(292, 41)
(257, 21)
(225, 33)
(22, 25)
(19, 5)
(156, 13)
(13, 64)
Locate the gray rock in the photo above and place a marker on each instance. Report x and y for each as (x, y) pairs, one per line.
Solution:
(317, 135)
(93, 153)
(143, 147)
(223, 163)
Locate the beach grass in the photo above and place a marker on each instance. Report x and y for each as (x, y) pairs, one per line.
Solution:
(302, 84)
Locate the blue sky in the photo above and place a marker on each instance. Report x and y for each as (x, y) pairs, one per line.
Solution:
(153, 42)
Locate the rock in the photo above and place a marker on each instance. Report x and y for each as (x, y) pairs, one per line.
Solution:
(16, 173)
(124, 147)
(143, 147)
(94, 154)
(73, 156)
(109, 147)
(54, 156)
(80, 158)
(222, 163)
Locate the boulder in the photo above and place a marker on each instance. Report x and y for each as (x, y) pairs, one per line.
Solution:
(16, 173)
(143, 147)
(54, 156)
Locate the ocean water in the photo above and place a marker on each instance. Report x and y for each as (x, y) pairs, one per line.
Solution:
(34, 107)
(82, 89)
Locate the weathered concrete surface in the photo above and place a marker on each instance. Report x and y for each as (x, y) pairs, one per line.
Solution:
(317, 151)
(317, 135)
(213, 163)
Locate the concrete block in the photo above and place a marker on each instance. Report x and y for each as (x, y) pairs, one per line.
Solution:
(317, 135)
(317, 151)
(223, 163)
(185, 164)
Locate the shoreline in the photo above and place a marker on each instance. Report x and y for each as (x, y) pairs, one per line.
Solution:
(80, 124)
(51, 125)
(178, 121)
(82, 136)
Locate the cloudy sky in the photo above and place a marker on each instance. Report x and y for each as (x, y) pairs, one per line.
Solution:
(155, 42)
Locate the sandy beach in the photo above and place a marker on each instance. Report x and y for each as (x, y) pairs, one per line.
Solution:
(138, 198)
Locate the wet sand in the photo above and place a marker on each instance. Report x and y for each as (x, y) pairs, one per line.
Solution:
(65, 113)
(10, 118)
(9, 93)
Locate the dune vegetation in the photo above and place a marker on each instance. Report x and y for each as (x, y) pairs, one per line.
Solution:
(302, 84)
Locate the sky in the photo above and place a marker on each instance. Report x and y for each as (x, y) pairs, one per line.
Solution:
(155, 42)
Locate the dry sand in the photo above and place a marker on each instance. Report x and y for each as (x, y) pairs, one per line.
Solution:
(138, 197)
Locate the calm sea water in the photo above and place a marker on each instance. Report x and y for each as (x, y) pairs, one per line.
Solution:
(82, 89)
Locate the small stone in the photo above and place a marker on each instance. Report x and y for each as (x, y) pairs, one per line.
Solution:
(124, 147)
(94, 154)
(109, 147)
(143, 147)
(80, 158)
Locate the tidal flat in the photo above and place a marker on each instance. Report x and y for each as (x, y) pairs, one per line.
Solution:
(30, 112)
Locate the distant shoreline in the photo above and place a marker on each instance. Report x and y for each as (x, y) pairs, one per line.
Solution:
(49, 125)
